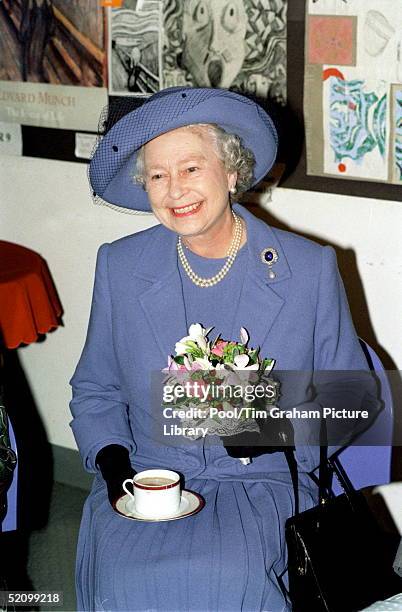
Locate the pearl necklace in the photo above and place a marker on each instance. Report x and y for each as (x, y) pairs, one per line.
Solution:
(231, 256)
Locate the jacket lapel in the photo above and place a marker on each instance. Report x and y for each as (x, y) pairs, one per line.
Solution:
(261, 300)
(162, 302)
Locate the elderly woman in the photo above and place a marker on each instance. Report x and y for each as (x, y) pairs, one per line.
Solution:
(184, 155)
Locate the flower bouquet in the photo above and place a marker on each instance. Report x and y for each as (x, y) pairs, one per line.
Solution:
(219, 387)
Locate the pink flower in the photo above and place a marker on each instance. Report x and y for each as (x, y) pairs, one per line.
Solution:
(196, 366)
(218, 348)
(176, 367)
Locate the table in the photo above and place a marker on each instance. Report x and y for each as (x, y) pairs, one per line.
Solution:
(29, 305)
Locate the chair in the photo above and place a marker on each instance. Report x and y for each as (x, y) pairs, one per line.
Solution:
(9, 522)
(370, 464)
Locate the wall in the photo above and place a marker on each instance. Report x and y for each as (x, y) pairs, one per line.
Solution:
(45, 205)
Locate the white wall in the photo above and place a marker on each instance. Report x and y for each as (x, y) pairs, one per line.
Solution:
(367, 235)
(45, 205)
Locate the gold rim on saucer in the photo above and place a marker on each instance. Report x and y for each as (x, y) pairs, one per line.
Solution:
(195, 503)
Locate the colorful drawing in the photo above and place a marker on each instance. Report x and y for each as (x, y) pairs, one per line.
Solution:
(352, 93)
(52, 63)
(355, 121)
(397, 121)
(350, 109)
(331, 40)
(52, 41)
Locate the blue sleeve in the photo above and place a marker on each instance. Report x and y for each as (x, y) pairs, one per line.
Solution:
(341, 373)
(336, 345)
(99, 406)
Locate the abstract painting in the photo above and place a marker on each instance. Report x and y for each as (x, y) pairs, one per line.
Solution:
(397, 134)
(331, 40)
(353, 64)
(52, 63)
(355, 115)
(52, 41)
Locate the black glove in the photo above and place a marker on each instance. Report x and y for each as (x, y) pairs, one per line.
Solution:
(247, 444)
(274, 435)
(114, 464)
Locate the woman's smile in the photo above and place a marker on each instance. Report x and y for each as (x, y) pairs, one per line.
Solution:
(186, 211)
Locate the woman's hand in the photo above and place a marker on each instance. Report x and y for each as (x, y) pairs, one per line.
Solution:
(274, 435)
(247, 444)
(114, 464)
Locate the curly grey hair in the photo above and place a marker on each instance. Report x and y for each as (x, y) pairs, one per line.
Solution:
(229, 149)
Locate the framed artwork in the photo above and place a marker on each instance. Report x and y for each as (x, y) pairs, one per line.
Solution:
(235, 44)
(52, 63)
(344, 130)
(352, 85)
(308, 63)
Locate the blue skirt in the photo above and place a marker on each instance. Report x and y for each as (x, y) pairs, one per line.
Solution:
(231, 556)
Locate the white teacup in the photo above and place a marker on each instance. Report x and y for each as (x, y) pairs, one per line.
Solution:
(156, 492)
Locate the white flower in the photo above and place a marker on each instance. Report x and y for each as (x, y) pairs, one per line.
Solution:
(203, 363)
(241, 361)
(244, 337)
(197, 335)
(245, 372)
(181, 347)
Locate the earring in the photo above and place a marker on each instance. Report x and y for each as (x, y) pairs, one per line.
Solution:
(233, 190)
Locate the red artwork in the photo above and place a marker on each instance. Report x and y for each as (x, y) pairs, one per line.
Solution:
(331, 40)
(329, 72)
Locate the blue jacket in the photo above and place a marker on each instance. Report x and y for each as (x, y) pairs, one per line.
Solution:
(301, 318)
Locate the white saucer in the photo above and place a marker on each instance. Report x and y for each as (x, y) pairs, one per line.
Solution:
(190, 503)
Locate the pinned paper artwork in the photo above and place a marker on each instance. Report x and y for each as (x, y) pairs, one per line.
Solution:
(378, 31)
(234, 44)
(52, 62)
(355, 114)
(331, 40)
(353, 84)
(135, 48)
(397, 134)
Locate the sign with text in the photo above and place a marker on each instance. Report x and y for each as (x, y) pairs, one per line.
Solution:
(54, 106)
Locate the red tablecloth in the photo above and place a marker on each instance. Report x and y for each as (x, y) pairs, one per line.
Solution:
(29, 305)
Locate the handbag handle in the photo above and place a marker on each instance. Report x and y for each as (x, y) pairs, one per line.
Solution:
(327, 468)
(340, 473)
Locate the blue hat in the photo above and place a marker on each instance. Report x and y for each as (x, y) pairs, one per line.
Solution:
(111, 169)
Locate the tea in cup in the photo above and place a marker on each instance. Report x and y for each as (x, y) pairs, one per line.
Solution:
(157, 493)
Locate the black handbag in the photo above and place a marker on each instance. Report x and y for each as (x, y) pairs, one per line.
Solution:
(339, 559)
